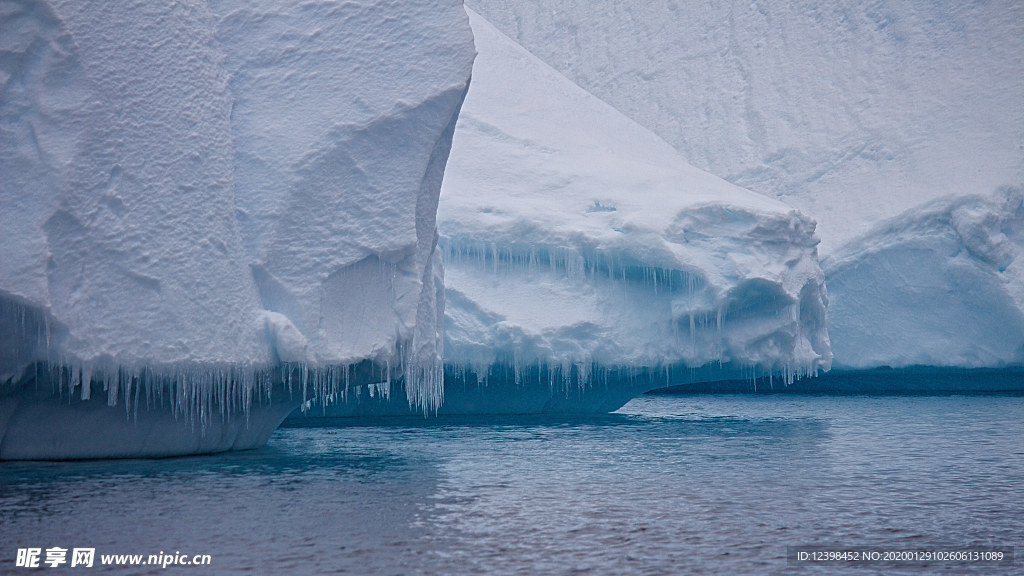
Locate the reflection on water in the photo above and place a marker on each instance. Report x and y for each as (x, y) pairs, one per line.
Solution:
(691, 484)
(311, 501)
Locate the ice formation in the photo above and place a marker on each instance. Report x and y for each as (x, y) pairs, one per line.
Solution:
(871, 118)
(586, 262)
(212, 199)
(582, 251)
(852, 112)
(941, 285)
(214, 211)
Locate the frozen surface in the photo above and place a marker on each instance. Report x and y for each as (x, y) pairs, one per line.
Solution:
(193, 194)
(941, 285)
(578, 242)
(883, 121)
(342, 122)
(850, 111)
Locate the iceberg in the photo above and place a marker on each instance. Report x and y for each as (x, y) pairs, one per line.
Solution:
(213, 212)
(882, 121)
(578, 241)
(586, 262)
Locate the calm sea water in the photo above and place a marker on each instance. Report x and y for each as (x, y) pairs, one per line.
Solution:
(669, 485)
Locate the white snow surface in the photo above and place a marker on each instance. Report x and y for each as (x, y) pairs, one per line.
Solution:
(198, 191)
(941, 285)
(577, 241)
(850, 111)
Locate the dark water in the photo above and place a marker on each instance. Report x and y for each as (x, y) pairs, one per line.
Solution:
(669, 485)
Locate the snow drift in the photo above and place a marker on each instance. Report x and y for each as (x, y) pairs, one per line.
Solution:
(215, 199)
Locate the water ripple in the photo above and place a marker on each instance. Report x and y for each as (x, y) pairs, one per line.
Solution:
(669, 485)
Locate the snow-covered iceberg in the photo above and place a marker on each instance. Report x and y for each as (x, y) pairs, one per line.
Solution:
(201, 204)
(587, 262)
(574, 238)
(939, 286)
(872, 118)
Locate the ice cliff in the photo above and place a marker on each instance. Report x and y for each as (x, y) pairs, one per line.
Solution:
(216, 210)
(587, 262)
(203, 202)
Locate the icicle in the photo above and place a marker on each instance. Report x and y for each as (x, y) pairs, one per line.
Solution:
(76, 374)
(86, 381)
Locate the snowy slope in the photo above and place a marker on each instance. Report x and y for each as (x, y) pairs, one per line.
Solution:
(578, 242)
(194, 193)
(942, 285)
(852, 112)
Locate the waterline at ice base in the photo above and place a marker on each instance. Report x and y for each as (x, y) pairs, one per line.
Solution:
(258, 214)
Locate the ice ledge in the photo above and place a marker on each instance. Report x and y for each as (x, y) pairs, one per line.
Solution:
(200, 205)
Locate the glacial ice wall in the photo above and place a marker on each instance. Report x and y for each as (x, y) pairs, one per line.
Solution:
(118, 225)
(342, 123)
(221, 196)
(940, 285)
(852, 112)
(869, 117)
(580, 247)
